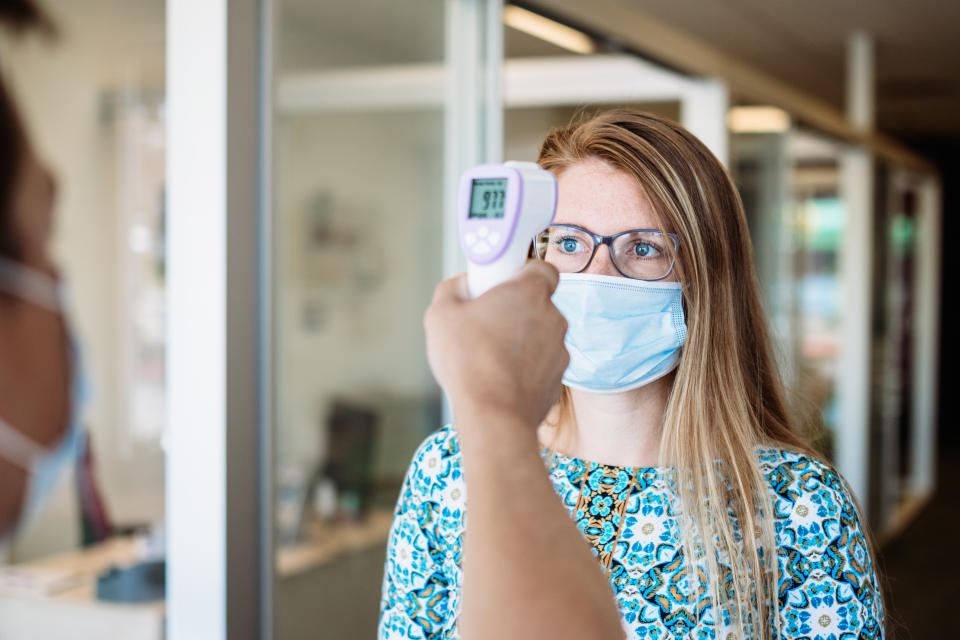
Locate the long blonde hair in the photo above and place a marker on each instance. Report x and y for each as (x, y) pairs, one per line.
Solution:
(727, 397)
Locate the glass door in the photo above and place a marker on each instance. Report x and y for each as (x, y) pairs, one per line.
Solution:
(358, 235)
(378, 106)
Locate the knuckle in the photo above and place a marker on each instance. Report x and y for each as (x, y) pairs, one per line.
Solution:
(433, 317)
(546, 275)
(516, 293)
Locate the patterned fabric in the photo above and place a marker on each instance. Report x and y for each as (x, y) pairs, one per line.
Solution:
(826, 581)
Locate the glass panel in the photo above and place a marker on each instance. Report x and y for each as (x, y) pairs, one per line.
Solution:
(817, 237)
(358, 249)
(92, 101)
(790, 186)
(526, 127)
(893, 341)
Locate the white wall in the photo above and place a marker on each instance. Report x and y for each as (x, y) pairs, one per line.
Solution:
(350, 306)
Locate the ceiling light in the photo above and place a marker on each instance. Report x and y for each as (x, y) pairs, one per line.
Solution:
(758, 120)
(546, 29)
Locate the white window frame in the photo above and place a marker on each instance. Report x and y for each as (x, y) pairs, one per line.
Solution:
(218, 485)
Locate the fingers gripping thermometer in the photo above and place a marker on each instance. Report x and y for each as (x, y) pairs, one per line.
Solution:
(500, 208)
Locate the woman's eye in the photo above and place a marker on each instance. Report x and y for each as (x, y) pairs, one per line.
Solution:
(644, 250)
(568, 244)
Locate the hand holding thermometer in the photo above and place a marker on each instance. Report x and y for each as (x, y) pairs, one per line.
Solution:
(500, 208)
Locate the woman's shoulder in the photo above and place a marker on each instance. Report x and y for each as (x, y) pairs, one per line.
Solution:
(436, 464)
(788, 470)
(806, 488)
(440, 444)
(827, 576)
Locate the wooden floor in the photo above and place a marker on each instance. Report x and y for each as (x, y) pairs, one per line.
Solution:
(922, 565)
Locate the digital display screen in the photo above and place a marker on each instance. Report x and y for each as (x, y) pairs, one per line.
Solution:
(488, 198)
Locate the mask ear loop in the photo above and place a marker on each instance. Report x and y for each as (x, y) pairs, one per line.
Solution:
(18, 448)
(30, 285)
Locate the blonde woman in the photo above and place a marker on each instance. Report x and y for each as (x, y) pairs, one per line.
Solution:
(671, 448)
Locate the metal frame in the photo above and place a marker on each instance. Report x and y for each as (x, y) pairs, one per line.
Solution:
(475, 98)
(266, 306)
(901, 498)
(218, 508)
(856, 270)
(471, 86)
(219, 484)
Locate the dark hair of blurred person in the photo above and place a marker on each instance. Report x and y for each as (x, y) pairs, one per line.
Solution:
(11, 151)
(16, 16)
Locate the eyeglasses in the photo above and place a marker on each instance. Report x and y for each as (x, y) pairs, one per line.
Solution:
(641, 254)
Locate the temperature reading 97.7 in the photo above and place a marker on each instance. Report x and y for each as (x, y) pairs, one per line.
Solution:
(494, 199)
(488, 198)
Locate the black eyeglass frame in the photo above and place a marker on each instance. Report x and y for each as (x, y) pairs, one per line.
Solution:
(608, 240)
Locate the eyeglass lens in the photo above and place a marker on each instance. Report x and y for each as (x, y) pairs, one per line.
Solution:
(638, 254)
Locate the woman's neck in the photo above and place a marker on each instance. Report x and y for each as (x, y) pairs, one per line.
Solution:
(621, 429)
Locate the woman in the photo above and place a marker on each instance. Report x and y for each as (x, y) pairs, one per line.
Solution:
(671, 447)
(40, 386)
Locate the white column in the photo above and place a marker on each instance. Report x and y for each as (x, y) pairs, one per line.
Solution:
(473, 110)
(926, 336)
(853, 384)
(493, 89)
(856, 261)
(214, 553)
(463, 86)
(861, 96)
(196, 362)
(703, 112)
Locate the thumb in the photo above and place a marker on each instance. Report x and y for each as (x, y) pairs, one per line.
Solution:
(540, 274)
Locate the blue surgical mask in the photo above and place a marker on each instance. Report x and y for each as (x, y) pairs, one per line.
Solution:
(44, 466)
(622, 333)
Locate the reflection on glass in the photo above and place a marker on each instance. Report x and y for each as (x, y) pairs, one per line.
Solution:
(789, 183)
(357, 251)
(138, 123)
(892, 427)
(818, 231)
(92, 102)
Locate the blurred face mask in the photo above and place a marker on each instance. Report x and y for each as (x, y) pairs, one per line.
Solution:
(622, 333)
(43, 466)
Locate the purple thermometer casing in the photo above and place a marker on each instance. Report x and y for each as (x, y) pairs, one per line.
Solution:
(484, 240)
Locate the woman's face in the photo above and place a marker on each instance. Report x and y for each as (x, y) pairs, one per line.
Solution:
(31, 211)
(594, 195)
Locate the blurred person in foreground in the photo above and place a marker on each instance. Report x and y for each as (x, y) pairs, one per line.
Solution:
(41, 383)
(671, 455)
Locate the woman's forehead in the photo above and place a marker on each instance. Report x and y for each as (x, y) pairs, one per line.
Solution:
(606, 200)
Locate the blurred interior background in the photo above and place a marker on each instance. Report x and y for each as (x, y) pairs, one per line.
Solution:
(838, 122)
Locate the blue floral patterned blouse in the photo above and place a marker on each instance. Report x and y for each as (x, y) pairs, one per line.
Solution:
(827, 586)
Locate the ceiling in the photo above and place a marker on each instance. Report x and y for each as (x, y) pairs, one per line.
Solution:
(803, 43)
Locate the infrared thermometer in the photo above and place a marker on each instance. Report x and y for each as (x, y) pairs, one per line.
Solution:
(500, 209)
